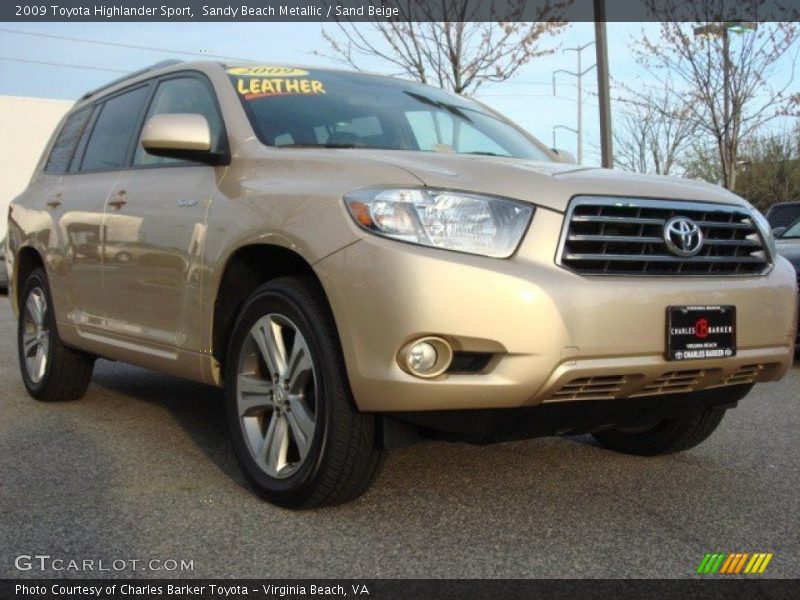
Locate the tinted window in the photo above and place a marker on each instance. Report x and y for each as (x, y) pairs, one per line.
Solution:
(297, 107)
(115, 127)
(182, 95)
(793, 231)
(67, 140)
(75, 164)
(781, 216)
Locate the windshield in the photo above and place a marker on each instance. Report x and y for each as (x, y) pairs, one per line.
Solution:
(299, 108)
(793, 231)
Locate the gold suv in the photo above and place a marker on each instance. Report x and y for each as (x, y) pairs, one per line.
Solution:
(361, 262)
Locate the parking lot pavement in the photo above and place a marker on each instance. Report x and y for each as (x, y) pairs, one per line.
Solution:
(141, 469)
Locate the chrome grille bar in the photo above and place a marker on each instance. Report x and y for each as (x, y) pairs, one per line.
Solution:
(625, 236)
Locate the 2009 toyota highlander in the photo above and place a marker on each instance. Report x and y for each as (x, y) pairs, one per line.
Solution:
(361, 261)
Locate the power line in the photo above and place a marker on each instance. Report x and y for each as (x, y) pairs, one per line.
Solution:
(181, 52)
(573, 100)
(56, 64)
(117, 44)
(547, 83)
(579, 74)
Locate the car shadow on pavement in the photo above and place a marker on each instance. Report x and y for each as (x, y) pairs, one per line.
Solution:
(198, 409)
(543, 471)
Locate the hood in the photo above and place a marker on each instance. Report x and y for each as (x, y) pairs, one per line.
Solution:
(789, 249)
(547, 184)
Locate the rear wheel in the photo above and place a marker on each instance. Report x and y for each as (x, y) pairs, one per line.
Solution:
(678, 433)
(295, 430)
(673, 435)
(50, 370)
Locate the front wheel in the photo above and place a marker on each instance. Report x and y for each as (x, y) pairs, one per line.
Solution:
(296, 433)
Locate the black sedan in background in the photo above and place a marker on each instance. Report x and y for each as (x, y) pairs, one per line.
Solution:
(788, 243)
(783, 214)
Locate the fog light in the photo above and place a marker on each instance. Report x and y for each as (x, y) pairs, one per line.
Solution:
(422, 357)
(425, 357)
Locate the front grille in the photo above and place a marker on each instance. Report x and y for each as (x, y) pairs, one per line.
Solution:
(673, 383)
(591, 388)
(638, 385)
(743, 375)
(623, 236)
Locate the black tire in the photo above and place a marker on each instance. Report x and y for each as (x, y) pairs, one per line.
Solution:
(345, 455)
(673, 435)
(67, 372)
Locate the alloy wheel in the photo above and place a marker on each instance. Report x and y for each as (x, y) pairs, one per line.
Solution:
(276, 392)
(35, 335)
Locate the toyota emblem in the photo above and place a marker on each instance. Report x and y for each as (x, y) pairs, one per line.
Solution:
(683, 236)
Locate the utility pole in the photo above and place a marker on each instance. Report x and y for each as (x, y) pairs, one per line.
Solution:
(603, 93)
(579, 76)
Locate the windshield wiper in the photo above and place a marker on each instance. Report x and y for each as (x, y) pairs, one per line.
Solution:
(482, 153)
(316, 146)
(451, 108)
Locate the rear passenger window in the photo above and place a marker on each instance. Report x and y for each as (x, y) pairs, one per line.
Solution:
(111, 137)
(67, 140)
(75, 165)
(182, 95)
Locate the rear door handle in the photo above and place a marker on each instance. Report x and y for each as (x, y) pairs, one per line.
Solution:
(122, 200)
(55, 202)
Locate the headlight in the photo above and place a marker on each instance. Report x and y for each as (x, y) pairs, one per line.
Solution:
(766, 231)
(445, 219)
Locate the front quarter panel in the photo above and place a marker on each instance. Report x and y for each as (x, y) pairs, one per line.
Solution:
(292, 198)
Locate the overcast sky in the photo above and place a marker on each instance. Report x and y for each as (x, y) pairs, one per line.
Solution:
(527, 99)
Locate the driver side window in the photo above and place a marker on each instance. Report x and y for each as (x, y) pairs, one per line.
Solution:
(181, 95)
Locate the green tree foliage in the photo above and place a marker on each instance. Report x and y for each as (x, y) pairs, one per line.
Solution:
(770, 169)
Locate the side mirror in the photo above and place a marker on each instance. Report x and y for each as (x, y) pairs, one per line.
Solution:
(565, 156)
(185, 136)
(778, 231)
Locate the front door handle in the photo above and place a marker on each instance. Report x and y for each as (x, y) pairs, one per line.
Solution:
(55, 202)
(122, 200)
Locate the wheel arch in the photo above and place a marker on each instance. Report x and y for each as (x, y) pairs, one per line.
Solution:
(27, 260)
(245, 270)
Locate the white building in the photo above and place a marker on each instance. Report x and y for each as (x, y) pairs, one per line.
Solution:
(26, 125)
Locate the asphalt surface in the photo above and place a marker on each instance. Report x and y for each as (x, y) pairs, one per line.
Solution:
(141, 469)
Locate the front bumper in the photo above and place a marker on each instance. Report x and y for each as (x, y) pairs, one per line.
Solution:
(554, 335)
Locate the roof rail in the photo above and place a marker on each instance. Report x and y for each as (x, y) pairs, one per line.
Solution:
(158, 65)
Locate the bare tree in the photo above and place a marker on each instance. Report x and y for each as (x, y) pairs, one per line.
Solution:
(451, 51)
(701, 161)
(631, 136)
(794, 105)
(730, 71)
(653, 131)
